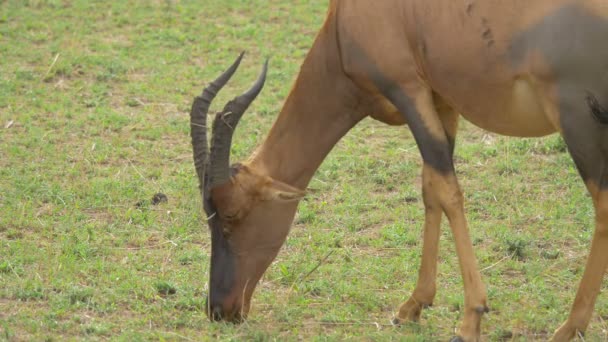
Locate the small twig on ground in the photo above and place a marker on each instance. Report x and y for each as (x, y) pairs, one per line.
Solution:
(498, 262)
(9, 124)
(580, 336)
(146, 247)
(140, 174)
(603, 323)
(320, 181)
(374, 323)
(51, 66)
(318, 265)
(321, 262)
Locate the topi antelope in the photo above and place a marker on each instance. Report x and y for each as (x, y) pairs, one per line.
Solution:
(521, 68)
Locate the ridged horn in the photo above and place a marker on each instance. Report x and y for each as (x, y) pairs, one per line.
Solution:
(223, 127)
(198, 120)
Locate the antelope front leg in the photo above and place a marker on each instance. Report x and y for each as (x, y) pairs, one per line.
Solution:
(475, 300)
(433, 134)
(424, 293)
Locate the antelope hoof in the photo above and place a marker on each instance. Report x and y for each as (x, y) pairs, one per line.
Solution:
(410, 311)
(566, 333)
(457, 339)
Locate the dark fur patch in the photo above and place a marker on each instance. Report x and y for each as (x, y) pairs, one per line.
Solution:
(599, 113)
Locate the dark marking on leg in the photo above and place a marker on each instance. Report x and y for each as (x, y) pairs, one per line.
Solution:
(435, 152)
(600, 114)
(482, 309)
(585, 132)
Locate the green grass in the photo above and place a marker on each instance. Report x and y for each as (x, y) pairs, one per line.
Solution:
(97, 94)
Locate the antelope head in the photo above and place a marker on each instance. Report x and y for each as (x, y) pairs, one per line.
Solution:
(244, 207)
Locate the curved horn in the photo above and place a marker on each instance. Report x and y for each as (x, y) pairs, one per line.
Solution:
(198, 120)
(223, 128)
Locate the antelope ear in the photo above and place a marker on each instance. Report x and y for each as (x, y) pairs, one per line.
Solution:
(275, 190)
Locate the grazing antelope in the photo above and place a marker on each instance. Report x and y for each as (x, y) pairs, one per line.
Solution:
(521, 68)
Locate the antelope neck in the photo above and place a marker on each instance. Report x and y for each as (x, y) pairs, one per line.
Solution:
(320, 109)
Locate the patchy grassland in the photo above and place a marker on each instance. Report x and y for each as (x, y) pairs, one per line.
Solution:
(93, 119)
